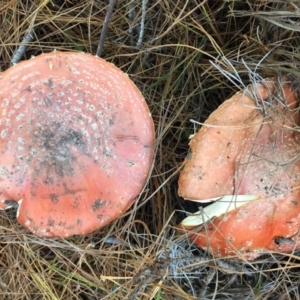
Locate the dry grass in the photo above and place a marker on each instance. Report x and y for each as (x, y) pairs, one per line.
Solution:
(140, 256)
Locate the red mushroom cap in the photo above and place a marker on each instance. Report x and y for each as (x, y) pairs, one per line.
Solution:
(249, 147)
(76, 140)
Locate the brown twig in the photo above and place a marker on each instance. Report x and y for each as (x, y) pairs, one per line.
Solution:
(28, 37)
(105, 27)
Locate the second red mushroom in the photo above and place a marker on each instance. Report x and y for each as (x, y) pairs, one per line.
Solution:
(248, 149)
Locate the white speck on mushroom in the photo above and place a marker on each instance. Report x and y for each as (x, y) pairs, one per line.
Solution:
(3, 133)
(21, 101)
(88, 119)
(21, 141)
(94, 126)
(90, 107)
(74, 71)
(19, 117)
(5, 102)
(85, 132)
(11, 112)
(50, 95)
(65, 82)
(14, 94)
(33, 151)
(76, 108)
(95, 150)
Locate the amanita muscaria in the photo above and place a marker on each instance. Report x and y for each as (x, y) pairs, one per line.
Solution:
(247, 155)
(76, 142)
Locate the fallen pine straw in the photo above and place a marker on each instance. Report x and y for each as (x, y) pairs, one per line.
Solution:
(186, 57)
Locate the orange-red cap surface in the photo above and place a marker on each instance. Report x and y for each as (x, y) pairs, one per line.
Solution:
(76, 140)
(249, 146)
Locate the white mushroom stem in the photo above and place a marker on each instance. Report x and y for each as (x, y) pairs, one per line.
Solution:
(218, 208)
(210, 199)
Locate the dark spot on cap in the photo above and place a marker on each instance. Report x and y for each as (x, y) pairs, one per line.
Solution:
(98, 203)
(79, 222)
(54, 198)
(49, 83)
(55, 143)
(51, 222)
(100, 217)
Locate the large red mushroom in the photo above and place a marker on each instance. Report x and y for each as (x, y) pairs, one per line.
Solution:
(76, 142)
(246, 158)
